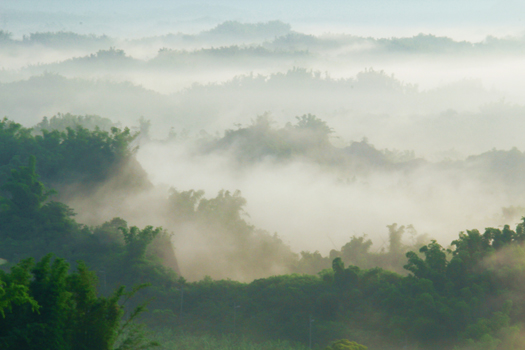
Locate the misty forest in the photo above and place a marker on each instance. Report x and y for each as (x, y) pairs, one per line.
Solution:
(226, 175)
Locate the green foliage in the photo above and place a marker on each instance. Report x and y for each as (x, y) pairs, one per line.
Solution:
(64, 157)
(61, 122)
(467, 296)
(186, 341)
(14, 289)
(59, 310)
(24, 213)
(32, 226)
(138, 240)
(345, 344)
(27, 194)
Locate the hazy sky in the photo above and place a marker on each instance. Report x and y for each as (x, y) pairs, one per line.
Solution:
(459, 19)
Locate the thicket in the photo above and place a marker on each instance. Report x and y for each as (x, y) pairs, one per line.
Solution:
(73, 155)
(43, 306)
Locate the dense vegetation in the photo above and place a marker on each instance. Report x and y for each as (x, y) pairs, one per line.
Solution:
(466, 296)
(71, 155)
(308, 138)
(45, 307)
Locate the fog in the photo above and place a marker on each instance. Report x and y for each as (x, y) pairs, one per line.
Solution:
(315, 199)
(432, 91)
(313, 209)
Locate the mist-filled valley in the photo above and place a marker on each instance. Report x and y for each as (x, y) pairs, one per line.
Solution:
(237, 161)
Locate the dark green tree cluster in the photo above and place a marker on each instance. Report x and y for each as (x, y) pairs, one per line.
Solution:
(33, 226)
(43, 306)
(468, 296)
(76, 155)
(27, 221)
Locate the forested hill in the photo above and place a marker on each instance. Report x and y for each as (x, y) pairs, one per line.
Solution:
(419, 296)
(308, 139)
(469, 295)
(71, 156)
